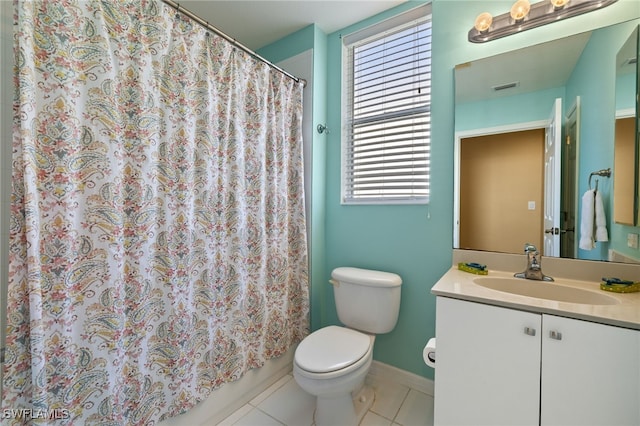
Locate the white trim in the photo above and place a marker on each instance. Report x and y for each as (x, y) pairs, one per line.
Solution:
(411, 15)
(456, 191)
(390, 201)
(462, 134)
(382, 371)
(625, 113)
(616, 256)
(344, 132)
(516, 127)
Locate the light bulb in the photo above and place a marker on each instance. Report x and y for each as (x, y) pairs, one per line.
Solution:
(483, 22)
(520, 9)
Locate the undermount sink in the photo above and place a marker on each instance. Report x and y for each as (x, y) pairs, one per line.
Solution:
(545, 290)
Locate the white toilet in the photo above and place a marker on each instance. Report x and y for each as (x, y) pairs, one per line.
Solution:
(332, 363)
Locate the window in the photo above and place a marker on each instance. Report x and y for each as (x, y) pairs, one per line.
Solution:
(386, 144)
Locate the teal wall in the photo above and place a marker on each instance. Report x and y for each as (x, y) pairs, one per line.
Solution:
(413, 241)
(507, 110)
(597, 128)
(625, 90)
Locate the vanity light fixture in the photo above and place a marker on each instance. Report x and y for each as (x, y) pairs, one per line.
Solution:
(524, 16)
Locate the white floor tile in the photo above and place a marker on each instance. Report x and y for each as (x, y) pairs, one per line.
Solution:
(290, 404)
(416, 410)
(237, 415)
(255, 417)
(389, 397)
(285, 403)
(271, 389)
(373, 419)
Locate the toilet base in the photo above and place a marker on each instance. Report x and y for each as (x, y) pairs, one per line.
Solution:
(362, 401)
(341, 410)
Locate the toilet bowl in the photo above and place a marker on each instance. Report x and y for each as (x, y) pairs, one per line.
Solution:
(332, 362)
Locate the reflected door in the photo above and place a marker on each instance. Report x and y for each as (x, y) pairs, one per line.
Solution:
(552, 146)
(501, 191)
(569, 184)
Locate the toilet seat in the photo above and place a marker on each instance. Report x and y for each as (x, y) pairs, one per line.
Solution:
(332, 348)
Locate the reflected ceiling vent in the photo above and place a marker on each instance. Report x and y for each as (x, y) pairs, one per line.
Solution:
(505, 86)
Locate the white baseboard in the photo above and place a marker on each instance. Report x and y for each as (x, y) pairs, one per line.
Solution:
(380, 370)
(615, 256)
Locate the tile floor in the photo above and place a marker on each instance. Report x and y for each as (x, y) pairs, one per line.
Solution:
(285, 403)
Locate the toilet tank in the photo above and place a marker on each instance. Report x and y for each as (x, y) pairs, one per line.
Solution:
(367, 300)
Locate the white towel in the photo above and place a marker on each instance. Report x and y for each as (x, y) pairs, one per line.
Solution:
(601, 220)
(586, 220)
(592, 213)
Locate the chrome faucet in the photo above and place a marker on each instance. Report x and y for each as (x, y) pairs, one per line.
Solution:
(534, 267)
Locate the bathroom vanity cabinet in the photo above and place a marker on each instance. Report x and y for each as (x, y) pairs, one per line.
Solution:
(502, 366)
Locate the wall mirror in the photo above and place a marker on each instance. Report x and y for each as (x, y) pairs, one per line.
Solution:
(625, 188)
(561, 96)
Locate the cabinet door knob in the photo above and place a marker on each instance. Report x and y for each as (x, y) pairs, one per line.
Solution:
(555, 335)
(530, 331)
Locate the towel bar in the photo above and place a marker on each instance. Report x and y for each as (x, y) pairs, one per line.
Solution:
(603, 173)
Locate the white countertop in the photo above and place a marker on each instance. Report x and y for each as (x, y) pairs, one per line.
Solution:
(460, 285)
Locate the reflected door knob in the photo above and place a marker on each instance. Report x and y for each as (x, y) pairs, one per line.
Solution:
(554, 231)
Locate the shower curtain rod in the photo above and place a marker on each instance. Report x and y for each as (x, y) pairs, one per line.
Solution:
(230, 39)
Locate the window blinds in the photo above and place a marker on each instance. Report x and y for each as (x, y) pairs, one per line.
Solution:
(387, 153)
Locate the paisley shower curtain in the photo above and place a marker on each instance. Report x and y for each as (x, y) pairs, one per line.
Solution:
(157, 241)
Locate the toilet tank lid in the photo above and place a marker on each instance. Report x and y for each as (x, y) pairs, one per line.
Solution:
(366, 277)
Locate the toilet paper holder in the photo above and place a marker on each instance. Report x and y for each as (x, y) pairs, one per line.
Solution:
(429, 353)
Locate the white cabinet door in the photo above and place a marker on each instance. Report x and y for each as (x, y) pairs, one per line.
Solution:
(488, 365)
(590, 373)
